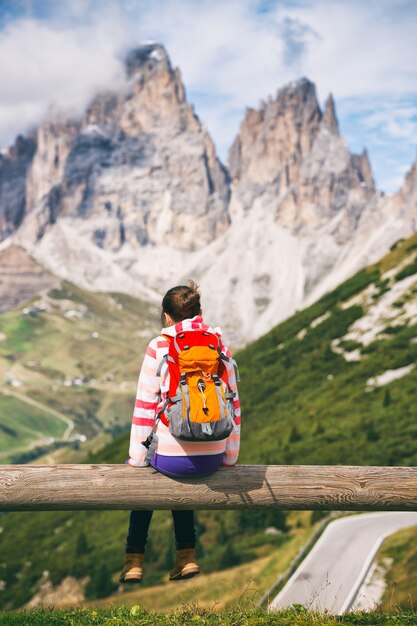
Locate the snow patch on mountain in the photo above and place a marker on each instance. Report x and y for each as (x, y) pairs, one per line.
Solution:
(385, 312)
(388, 376)
(389, 304)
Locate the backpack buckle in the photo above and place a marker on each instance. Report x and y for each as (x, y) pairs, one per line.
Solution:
(148, 441)
(206, 428)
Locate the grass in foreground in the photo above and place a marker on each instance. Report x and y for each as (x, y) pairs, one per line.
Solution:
(193, 615)
(399, 551)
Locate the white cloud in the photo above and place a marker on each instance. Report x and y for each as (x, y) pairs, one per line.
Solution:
(360, 48)
(222, 48)
(364, 53)
(231, 53)
(387, 126)
(395, 122)
(349, 47)
(44, 64)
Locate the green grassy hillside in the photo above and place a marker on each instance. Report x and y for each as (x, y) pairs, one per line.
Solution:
(22, 424)
(69, 362)
(398, 559)
(335, 383)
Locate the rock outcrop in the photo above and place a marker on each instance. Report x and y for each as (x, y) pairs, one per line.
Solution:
(139, 168)
(69, 592)
(407, 196)
(329, 116)
(14, 165)
(21, 278)
(310, 205)
(273, 142)
(290, 157)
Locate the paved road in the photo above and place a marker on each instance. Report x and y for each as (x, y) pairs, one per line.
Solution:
(330, 576)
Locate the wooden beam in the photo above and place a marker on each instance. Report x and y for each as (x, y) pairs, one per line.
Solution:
(73, 487)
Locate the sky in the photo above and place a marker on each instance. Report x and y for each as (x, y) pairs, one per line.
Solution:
(232, 54)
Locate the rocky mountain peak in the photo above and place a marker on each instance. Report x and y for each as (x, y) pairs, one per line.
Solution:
(329, 117)
(137, 169)
(147, 55)
(274, 139)
(300, 97)
(23, 148)
(290, 159)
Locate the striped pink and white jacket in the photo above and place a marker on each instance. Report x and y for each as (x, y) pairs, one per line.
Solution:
(151, 394)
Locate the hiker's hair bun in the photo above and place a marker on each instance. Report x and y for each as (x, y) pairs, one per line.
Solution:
(182, 302)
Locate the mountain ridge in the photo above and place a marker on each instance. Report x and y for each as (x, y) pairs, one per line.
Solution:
(133, 194)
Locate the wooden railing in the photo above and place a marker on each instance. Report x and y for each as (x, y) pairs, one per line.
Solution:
(74, 487)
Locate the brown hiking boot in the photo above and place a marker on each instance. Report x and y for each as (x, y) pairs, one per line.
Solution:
(132, 571)
(185, 565)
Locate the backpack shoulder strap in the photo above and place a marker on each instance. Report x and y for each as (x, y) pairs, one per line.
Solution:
(224, 357)
(152, 436)
(166, 357)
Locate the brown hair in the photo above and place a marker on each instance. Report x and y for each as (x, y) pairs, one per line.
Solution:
(181, 302)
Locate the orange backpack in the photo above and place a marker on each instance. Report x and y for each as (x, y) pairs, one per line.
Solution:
(199, 404)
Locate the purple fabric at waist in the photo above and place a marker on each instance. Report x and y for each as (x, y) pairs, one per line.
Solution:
(187, 466)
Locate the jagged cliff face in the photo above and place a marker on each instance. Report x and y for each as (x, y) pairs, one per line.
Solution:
(291, 157)
(14, 165)
(55, 139)
(273, 141)
(138, 169)
(407, 196)
(133, 198)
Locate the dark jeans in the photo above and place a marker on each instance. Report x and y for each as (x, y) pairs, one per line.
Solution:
(139, 526)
